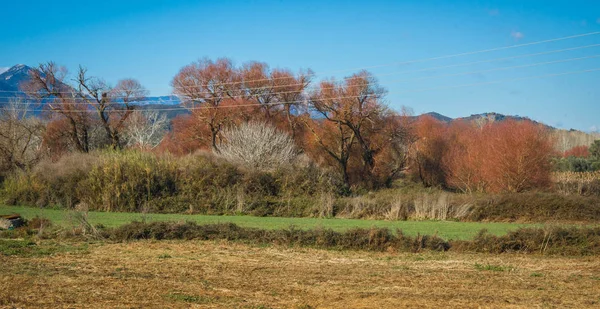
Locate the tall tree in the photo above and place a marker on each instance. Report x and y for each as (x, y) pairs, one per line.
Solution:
(355, 104)
(47, 84)
(278, 93)
(77, 102)
(209, 87)
(332, 138)
(112, 105)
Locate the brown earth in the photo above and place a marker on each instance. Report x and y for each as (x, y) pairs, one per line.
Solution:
(213, 274)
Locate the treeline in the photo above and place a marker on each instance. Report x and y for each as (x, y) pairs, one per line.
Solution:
(580, 159)
(248, 121)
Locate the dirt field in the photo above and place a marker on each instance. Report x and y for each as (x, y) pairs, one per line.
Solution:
(182, 274)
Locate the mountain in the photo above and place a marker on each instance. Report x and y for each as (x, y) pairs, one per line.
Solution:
(10, 81)
(438, 116)
(18, 74)
(487, 117)
(493, 117)
(169, 100)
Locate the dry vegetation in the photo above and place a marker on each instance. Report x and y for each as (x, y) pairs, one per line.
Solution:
(220, 274)
(582, 183)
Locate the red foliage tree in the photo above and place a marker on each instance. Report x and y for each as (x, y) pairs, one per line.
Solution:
(519, 156)
(578, 151)
(466, 157)
(507, 156)
(209, 88)
(429, 151)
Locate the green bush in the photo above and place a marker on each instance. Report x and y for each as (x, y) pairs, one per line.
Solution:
(576, 164)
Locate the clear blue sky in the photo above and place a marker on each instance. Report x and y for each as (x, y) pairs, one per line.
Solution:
(151, 40)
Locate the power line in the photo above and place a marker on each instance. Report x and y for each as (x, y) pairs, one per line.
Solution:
(295, 102)
(195, 108)
(395, 81)
(414, 71)
(439, 57)
(416, 61)
(503, 80)
(499, 69)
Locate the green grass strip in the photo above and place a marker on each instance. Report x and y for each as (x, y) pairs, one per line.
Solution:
(445, 229)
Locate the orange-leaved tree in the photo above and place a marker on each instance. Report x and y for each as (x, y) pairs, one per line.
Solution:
(519, 156)
(356, 109)
(211, 89)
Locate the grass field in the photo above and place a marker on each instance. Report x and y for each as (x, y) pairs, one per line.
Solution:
(220, 274)
(444, 229)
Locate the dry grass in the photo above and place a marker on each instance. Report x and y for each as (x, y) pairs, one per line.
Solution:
(215, 274)
(582, 183)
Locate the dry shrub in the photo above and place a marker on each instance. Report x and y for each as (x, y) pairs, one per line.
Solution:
(39, 223)
(582, 151)
(257, 145)
(50, 182)
(552, 240)
(375, 239)
(397, 211)
(135, 181)
(581, 183)
(80, 223)
(127, 181)
(399, 204)
(324, 208)
(536, 207)
(432, 207)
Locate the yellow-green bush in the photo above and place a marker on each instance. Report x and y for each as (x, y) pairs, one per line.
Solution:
(139, 181)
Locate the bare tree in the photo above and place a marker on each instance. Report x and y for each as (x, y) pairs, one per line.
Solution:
(20, 136)
(290, 90)
(79, 101)
(276, 92)
(113, 106)
(257, 145)
(146, 129)
(47, 84)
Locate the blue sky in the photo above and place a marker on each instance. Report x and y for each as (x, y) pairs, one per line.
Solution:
(151, 40)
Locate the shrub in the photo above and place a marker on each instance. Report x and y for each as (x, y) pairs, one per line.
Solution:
(508, 156)
(137, 181)
(536, 207)
(127, 181)
(375, 239)
(50, 182)
(581, 183)
(257, 145)
(553, 240)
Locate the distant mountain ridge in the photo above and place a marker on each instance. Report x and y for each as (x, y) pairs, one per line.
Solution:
(489, 117)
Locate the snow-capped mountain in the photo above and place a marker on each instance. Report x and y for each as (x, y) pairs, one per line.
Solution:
(12, 77)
